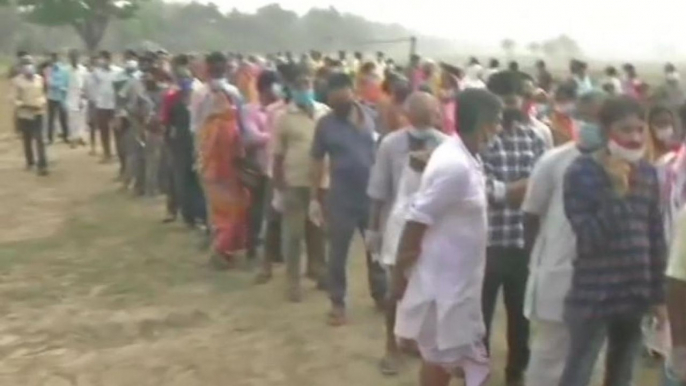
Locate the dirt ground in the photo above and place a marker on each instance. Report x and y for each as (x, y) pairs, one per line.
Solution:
(95, 291)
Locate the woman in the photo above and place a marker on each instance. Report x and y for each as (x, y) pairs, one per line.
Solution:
(220, 147)
(661, 139)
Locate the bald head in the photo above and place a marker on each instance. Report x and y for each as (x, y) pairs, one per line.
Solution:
(422, 109)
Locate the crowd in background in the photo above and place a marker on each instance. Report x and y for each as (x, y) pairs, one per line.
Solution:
(565, 192)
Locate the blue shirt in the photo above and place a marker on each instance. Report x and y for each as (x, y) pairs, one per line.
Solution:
(621, 248)
(351, 156)
(58, 83)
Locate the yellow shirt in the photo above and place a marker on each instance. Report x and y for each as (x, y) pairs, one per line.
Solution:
(29, 96)
(676, 266)
(293, 135)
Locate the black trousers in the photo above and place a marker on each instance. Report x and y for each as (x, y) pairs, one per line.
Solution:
(184, 193)
(508, 268)
(57, 107)
(32, 135)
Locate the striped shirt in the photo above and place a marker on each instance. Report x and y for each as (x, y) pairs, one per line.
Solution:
(621, 247)
(510, 157)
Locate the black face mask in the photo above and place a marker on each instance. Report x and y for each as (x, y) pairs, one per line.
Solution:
(342, 109)
(512, 116)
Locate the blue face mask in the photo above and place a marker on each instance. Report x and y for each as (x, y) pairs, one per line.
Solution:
(303, 98)
(590, 137)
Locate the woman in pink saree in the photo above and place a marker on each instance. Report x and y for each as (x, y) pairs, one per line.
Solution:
(219, 148)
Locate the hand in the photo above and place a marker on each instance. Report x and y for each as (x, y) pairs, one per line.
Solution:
(661, 317)
(373, 241)
(618, 170)
(398, 284)
(315, 213)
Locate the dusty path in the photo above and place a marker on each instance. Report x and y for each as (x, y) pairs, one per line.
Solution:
(95, 291)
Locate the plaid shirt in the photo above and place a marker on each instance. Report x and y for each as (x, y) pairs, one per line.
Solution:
(621, 247)
(510, 157)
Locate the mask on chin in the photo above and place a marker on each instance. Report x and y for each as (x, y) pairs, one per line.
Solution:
(629, 152)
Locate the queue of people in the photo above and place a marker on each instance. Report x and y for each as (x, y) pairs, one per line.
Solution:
(566, 194)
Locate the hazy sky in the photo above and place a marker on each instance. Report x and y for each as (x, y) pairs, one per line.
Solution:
(614, 28)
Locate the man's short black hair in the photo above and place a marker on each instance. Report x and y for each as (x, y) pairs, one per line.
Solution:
(617, 108)
(339, 80)
(506, 83)
(475, 107)
(513, 66)
(215, 57)
(181, 60)
(566, 90)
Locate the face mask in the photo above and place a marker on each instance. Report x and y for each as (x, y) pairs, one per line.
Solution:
(664, 134)
(590, 137)
(277, 90)
(28, 69)
(303, 98)
(131, 65)
(566, 108)
(626, 153)
(217, 84)
(420, 134)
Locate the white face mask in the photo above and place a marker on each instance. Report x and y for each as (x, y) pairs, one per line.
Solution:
(665, 134)
(621, 152)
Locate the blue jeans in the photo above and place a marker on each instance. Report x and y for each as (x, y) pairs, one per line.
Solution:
(669, 379)
(587, 335)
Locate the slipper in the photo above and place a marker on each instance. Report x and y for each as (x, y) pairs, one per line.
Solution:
(388, 366)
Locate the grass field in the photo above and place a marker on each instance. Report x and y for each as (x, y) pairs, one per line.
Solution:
(95, 291)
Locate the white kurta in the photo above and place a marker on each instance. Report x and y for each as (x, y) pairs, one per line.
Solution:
(407, 187)
(76, 101)
(441, 308)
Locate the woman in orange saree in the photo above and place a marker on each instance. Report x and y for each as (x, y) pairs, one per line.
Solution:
(219, 147)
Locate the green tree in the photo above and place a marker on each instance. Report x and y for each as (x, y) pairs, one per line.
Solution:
(89, 18)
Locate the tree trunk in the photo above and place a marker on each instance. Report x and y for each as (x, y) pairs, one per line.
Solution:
(92, 31)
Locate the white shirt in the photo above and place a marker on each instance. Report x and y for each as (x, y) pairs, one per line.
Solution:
(551, 267)
(105, 96)
(543, 131)
(446, 281)
(77, 87)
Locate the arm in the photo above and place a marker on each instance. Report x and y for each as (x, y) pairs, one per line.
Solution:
(280, 149)
(539, 193)
(658, 246)
(253, 137)
(318, 153)
(380, 188)
(498, 191)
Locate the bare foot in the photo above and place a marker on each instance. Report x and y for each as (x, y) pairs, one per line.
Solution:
(389, 364)
(336, 317)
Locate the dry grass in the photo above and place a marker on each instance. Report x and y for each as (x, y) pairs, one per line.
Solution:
(95, 291)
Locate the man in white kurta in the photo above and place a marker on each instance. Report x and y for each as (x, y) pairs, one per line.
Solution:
(76, 99)
(441, 306)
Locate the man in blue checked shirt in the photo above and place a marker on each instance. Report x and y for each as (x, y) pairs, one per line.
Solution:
(57, 82)
(508, 162)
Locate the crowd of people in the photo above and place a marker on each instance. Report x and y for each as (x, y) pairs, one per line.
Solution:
(566, 193)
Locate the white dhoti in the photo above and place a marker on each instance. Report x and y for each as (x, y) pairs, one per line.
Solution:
(77, 124)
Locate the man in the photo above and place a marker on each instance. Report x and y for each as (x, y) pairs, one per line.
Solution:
(671, 92)
(508, 162)
(293, 138)
(154, 132)
(612, 201)
(676, 302)
(578, 70)
(544, 79)
(550, 243)
(185, 191)
(58, 84)
(441, 257)
(391, 160)
(124, 83)
(104, 77)
(76, 99)
(346, 136)
(29, 103)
